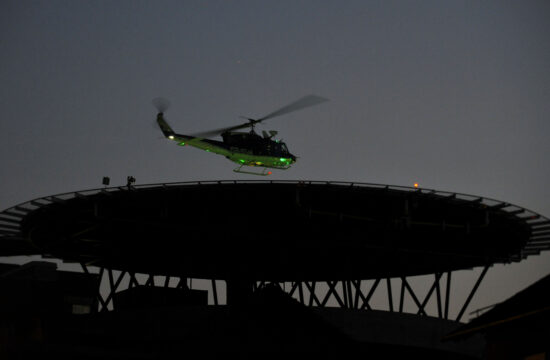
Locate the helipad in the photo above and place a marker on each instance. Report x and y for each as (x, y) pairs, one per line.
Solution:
(274, 230)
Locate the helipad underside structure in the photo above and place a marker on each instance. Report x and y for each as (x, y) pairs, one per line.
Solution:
(274, 230)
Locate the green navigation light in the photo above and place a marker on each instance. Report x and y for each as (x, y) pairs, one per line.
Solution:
(181, 144)
(241, 161)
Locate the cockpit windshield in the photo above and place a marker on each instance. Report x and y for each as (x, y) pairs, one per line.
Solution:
(284, 148)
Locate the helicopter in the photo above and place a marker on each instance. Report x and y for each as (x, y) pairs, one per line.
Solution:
(244, 148)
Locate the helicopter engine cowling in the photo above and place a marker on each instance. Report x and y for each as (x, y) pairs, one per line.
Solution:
(271, 134)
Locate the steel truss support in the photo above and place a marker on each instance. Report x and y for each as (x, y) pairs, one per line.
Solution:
(448, 295)
(390, 297)
(100, 299)
(182, 283)
(481, 276)
(352, 295)
(105, 300)
(411, 292)
(435, 285)
(214, 292)
(369, 295)
(114, 286)
(332, 291)
(133, 280)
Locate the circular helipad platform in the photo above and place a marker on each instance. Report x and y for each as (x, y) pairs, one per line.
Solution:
(278, 231)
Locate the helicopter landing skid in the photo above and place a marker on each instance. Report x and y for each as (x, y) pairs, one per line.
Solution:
(264, 172)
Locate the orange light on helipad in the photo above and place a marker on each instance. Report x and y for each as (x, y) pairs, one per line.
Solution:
(415, 185)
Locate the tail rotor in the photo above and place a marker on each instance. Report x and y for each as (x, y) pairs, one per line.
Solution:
(161, 104)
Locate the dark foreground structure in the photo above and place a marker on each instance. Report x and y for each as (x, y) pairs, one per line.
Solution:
(291, 266)
(518, 328)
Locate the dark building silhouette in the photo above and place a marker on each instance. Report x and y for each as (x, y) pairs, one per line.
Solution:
(34, 297)
(518, 328)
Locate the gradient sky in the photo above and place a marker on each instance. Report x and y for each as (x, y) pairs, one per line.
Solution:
(454, 95)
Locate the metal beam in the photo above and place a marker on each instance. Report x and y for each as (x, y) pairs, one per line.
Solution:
(111, 281)
(447, 295)
(150, 280)
(293, 288)
(23, 209)
(538, 223)
(114, 287)
(541, 228)
(357, 285)
(13, 221)
(99, 297)
(348, 286)
(182, 283)
(332, 291)
(345, 294)
(421, 310)
(359, 294)
(214, 292)
(312, 296)
(402, 297)
(14, 214)
(12, 227)
(499, 206)
(390, 296)
(516, 212)
(481, 276)
(133, 280)
(539, 239)
(438, 294)
(411, 292)
(369, 295)
(300, 292)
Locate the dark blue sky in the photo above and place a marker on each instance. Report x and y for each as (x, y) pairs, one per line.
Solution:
(452, 95)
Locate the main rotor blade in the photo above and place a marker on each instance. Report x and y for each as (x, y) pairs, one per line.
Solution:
(299, 104)
(210, 133)
(215, 132)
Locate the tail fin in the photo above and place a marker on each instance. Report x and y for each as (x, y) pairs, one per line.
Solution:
(166, 129)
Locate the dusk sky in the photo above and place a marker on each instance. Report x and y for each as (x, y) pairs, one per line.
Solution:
(454, 95)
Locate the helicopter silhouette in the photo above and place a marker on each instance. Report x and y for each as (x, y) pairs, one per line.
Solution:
(244, 148)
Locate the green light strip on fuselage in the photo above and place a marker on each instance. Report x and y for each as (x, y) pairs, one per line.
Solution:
(258, 160)
(239, 158)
